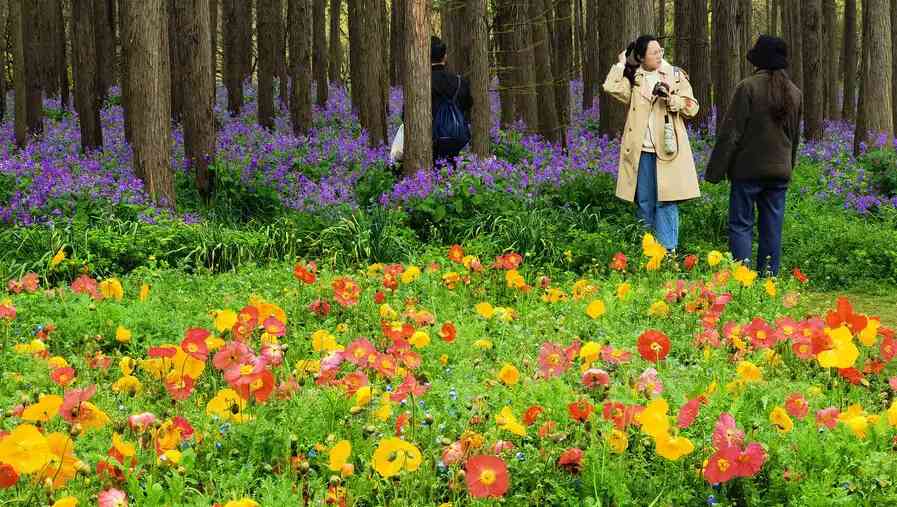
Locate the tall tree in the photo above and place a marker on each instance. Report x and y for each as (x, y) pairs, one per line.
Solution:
(725, 60)
(611, 42)
(592, 68)
(355, 62)
(336, 49)
(126, 87)
(195, 59)
(417, 86)
(849, 60)
(699, 70)
(682, 28)
(814, 86)
(548, 116)
(62, 72)
(563, 72)
(147, 40)
(280, 56)
(396, 39)
(233, 17)
(47, 35)
(661, 18)
(300, 65)
(579, 38)
(320, 49)
(4, 24)
(247, 10)
(830, 58)
(527, 104)
(267, 60)
(84, 58)
(29, 98)
(875, 115)
(175, 65)
(795, 41)
(479, 75)
(894, 62)
(105, 44)
(745, 22)
(373, 71)
(504, 37)
(213, 45)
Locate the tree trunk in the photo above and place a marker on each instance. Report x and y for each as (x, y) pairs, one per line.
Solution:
(336, 50)
(548, 116)
(661, 17)
(5, 18)
(199, 119)
(564, 70)
(105, 40)
(176, 66)
(320, 50)
(875, 117)
(247, 9)
(149, 78)
(231, 21)
(355, 63)
(47, 33)
(504, 36)
(62, 72)
(830, 58)
(479, 75)
(417, 86)
(267, 64)
(300, 65)
(527, 104)
(579, 37)
(280, 56)
(726, 60)
(591, 67)
(746, 35)
(772, 11)
(682, 28)
(814, 86)
(29, 98)
(699, 60)
(373, 71)
(894, 63)
(396, 39)
(795, 42)
(126, 88)
(849, 61)
(612, 114)
(213, 47)
(84, 57)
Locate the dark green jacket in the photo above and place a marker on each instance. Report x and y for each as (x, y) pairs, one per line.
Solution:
(751, 144)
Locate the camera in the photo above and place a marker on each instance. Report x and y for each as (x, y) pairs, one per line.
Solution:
(661, 89)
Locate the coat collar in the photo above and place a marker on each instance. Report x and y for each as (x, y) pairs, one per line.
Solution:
(665, 69)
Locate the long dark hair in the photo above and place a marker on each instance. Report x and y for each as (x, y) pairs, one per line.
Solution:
(635, 55)
(782, 102)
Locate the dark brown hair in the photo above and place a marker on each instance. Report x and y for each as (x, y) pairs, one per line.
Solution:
(782, 102)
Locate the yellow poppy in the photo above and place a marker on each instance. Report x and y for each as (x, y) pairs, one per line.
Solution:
(780, 419)
(509, 374)
(227, 405)
(26, 449)
(507, 421)
(654, 419)
(596, 309)
(673, 448)
(45, 409)
(339, 455)
(393, 455)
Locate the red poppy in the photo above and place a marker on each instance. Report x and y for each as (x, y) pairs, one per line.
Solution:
(797, 406)
(385, 365)
(360, 352)
(726, 432)
(487, 477)
(799, 276)
(194, 343)
(531, 414)
(750, 460)
(620, 414)
(354, 381)
(580, 410)
(509, 261)
(397, 330)
(827, 417)
(86, 285)
(230, 355)
(553, 360)
(410, 359)
(319, 307)
(379, 297)
(70, 410)
(390, 282)
(8, 476)
(448, 333)
(260, 388)
(653, 345)
(614, 356)
(14, 286)
(345, 291)
(802, 348)
(595, 377)
(689, 412)
(547, 428)
(165, 352)
(245, 371)
(179, 387)
(723, 465)
(109, 471)
(619, 262)
(888, 347)
(456, 254)
(274, 327)
(63, 376)
(873, 367)
(409, 386)
(690, 262)
(852, 375)
(571, 460)
(761, 333)
(843, 314)
(401, 421)
(305, 274)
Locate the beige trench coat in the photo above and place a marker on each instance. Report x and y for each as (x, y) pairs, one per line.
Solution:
(677, 179)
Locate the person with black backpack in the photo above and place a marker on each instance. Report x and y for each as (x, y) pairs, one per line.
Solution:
(452, 104)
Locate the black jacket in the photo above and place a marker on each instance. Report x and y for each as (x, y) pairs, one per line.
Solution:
(751, 144)
(444, 86)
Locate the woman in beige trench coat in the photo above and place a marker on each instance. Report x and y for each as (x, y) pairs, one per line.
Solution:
(657, 168)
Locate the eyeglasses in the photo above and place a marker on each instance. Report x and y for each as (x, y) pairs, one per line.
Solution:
(659, 53)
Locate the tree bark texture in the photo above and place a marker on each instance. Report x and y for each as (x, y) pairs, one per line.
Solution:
(814, 86)
(417, 86)
(85, 59)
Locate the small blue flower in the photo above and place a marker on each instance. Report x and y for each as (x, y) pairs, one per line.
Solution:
(389, 388)
(218, 445)
(520, 456)
(711, 500)
(420, 403)
(312, 453)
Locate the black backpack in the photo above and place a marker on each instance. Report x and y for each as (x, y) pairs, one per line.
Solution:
(450, 130)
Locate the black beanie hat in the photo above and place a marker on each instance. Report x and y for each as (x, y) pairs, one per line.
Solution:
(437, 49)
(769, 53)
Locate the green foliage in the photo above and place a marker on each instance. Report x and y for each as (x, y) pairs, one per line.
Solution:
(881, 166)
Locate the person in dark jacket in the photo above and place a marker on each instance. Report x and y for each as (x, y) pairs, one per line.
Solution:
(446, 86)
(756, 149)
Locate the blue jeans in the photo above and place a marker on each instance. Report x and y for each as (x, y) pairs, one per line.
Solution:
(769, 199)
(660, 217)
